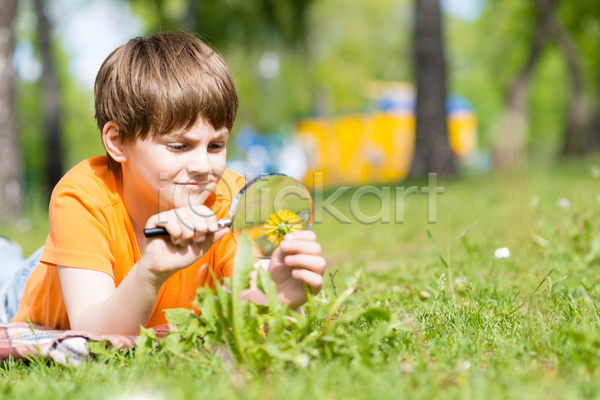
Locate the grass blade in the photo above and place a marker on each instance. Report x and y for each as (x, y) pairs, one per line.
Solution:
(534, 292)
(439, 253)
(464, 233)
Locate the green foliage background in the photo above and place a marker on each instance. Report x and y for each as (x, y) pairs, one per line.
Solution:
(324, 72)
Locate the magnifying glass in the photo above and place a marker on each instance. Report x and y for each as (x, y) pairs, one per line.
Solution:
(266, 208)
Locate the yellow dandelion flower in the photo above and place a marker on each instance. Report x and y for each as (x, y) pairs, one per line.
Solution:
(280, 224)
(255, 232)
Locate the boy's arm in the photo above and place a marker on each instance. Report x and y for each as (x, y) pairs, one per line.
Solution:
(95, 305)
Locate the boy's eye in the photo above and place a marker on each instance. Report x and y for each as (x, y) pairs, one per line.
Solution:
(216, 146)
(176, 147)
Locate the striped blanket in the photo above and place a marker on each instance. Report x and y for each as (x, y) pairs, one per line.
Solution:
(20, 341)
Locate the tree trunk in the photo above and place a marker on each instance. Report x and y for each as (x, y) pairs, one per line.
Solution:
(54, 165)
(574, 137)
(511, 132)
(432, 148)
(11, 193)
(593, 131)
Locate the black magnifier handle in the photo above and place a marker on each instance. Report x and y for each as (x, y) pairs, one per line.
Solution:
(153, 232)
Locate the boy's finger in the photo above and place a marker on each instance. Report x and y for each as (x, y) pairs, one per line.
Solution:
(301, 235)
(204, 219)
(174, 230)
(314, 281)
(300, 246)
(199, 237)
(215, 237)
(315, 264)
(187, 232)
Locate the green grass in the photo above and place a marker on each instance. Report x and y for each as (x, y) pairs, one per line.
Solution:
(484, 332)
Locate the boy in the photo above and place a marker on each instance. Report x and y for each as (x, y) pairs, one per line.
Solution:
(165, 106)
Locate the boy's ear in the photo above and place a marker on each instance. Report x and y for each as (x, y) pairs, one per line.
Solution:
(112, 141)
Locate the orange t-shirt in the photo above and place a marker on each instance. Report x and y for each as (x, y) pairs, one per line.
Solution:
(90, 229)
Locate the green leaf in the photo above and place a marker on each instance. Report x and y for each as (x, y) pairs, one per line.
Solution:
(268, 286)
(243, 265)
(222, 313)
(174, 344)
(241, 277)
(180, 317)
(146, 342)
(336, 305)
(311, 307)
(354, 279)
(102, 349)
(377, 313)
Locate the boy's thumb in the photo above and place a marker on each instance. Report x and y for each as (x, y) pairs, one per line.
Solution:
(220, 234)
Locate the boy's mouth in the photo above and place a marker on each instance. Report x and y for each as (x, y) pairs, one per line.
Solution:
(198, 182)
(195, 185)
(203, 183)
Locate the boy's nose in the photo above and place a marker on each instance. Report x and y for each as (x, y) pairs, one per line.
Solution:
(198, 164)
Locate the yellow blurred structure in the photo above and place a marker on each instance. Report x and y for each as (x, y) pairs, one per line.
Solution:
(377, 147)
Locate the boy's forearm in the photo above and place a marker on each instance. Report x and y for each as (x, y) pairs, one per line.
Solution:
(128, 307)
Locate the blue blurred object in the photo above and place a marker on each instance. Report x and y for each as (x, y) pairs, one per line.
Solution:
(457, 103)
(12, 257)
(404, 101)
(396, 104)
(400, 99)
(257, 152)
(248, 137)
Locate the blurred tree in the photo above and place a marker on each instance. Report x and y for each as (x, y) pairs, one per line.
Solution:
(432, 149)
(243, 31)
(511, 132)
(593, 130)
(52, 112)
(582, 22)
(252, 23)
(574, 137)
(11, 193)
(510, 138)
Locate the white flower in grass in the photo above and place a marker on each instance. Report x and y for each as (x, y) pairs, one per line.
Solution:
(502, 252)
(459, 284)
(563, 203)
(459, 280)
(424, 295)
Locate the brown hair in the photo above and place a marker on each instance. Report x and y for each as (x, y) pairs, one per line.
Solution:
(152, 86)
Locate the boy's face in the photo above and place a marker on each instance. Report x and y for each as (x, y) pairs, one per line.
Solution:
(182, 167)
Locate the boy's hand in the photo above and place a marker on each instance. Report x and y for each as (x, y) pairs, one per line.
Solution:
(192, 233)
(295, 262)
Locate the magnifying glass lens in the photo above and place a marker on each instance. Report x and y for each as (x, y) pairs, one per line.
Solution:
(271, 207)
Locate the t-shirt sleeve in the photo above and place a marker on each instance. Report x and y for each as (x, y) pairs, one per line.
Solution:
(79, 236)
